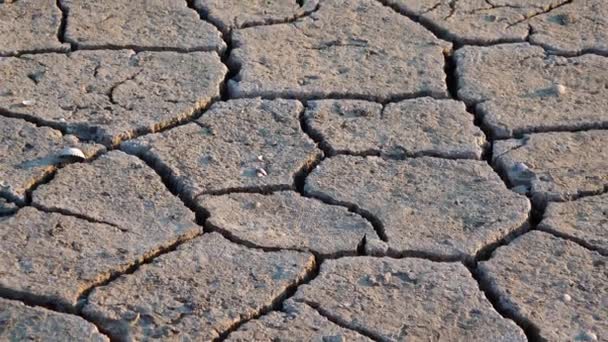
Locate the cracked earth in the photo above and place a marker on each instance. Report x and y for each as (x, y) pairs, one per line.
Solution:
(312, 170)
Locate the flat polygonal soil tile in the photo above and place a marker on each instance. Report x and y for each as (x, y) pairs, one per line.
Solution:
(197, 292)
(139, 24)
(555, 166)
(30, 26)
(23, 323)
(406, 299)
(477, 22)
(54, 258)
(423, 126)
(239, 144)
(110, 95)
(555, 284)
(348, 48)
(28, 154)
(584, 220)
(117, 189)
(518, 88)
(298, 322)
(574, 28)
(231, 14)
(287, 220)
(447, 208)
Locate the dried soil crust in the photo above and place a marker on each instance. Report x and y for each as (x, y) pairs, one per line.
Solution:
(352, 49)
(29, 154)
(30, 26)
(109, 96)
(556, 285)
(423, 126)
(246, 144)
(556, 166)
(584, 220)
(52, 259)
(443, 208)
(287, 220)
(233, 14)
(518, 88)
(295, 322)
(197, 292)
(120, 190)
(406, 299)
(24, 323)
(140, 25)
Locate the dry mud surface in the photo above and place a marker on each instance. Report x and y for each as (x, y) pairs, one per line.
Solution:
(312, 170)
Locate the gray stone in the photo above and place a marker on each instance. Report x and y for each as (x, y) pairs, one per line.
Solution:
(577, 27)
(406, 299)
(584, 220)
(109, 96)
(287, 220)
(235, 145)
(477, 22)
(140, 25)
(446, 208)
(348, 48)
(53, 258)
(422, 126)
(376, 247)
(518, 88)
(197, 292)
(555, 284)
(29, 154)
(562, 166)
(297, 322)
(23, 323)
(231, 14)
(29, 26)
(117, 189)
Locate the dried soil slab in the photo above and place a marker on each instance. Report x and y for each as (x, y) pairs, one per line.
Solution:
(584, 220)
(30, 26)
(555, 284)
(406, 299)
(110, 95)
(24, 323)
(575, 28)
(239, 144)
(557, 166)
(447, 208)
(287, 220)
(140, 25)
(297, 322)
(118, 189)
(423, 126)
(348, 48)
(197, 292)
(477, 22)
(53, 258)
(28, 154)
(231, 14)
(518, 89)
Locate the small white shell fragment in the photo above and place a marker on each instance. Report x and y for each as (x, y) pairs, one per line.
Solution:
(261, 172)
(72, 152)
(27, 102)
(559, 89)
(567, 297)
(261, 158)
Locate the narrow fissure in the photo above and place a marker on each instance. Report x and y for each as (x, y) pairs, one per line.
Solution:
(63, 24)
(342, 323)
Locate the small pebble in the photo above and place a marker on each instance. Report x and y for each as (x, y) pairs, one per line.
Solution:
(261, 158)
(567, 297)
(559, 89)
(520, 167)
(27, 102)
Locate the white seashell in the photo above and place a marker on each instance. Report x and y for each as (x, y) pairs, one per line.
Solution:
(261, 172)
(567, 297)
(559, 89)
(72, 152)
(27, 102)
(261, 158)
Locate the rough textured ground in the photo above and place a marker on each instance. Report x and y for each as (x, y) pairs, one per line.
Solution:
(304, 170)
